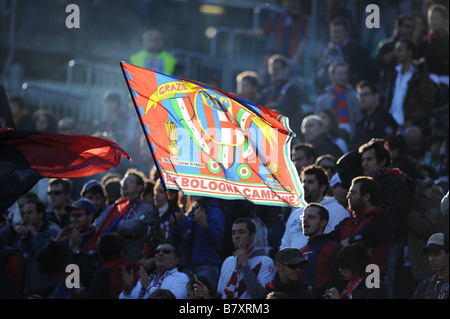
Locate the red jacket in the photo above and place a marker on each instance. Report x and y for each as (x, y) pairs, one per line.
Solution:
(374, 229)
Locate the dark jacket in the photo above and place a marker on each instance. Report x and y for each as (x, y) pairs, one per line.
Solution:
(432, 289)
(374, 229)
(364, 292)
(54, 258)
(295, 290)
(324, 145)
(420, 96)
(379, 124)
(323, 270)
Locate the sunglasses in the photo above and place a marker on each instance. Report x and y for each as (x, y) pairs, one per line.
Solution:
(164, 250)
(293, 267)
(56, 193)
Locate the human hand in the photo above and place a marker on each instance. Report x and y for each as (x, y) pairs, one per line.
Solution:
(241, 254)
(64, 234)
(127, 279)
(145, 280)
(200, 218)
(332, 293)
(201, 291)
(76, 240)
(20, 230)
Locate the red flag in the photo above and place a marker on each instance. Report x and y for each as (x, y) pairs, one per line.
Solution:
(26, 157)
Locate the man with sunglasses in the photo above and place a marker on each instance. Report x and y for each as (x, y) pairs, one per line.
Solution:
(289, 263)
(59, 195)
(160, 273)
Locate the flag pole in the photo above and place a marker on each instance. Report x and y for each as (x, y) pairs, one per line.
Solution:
(172, 211)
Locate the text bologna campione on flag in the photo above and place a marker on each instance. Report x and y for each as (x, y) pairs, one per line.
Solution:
(211, 143)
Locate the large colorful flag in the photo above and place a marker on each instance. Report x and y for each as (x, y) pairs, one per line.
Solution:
(26, 157)
(211, 143)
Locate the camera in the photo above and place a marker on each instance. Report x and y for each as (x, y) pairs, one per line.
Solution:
(328, 294)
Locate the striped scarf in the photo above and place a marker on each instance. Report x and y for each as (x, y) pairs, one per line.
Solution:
(339, 106)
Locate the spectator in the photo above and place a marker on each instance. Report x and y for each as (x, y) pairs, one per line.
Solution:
(164, 204)
(322, 272)
(245, 274)
(43, 121)
(289, 262)
(21, 114)
(328, 163)
(94, 191)
(315, 186)
(332, 9)
(415, 144)
(376, 121)
(434, 157)
(338, 135)
(284, 95)
(69, 248)
(247, 85)
(112, 188)
(435, 287)
(343, 48)
(32, 235)
(290, 29)
(339, 190)
(316, 135)
(59, 194)
(353, 260)
(385, 54)
(370, 223)
(129, 217)
(420, 35)
(437, 50)
(303, 155)
(396, 194)
(424, 219)
(340, 97)
(153, 56)
(411, 93)
(164, 275)
(11, 275)
(107, 282)
(202, 229)
(115, 115)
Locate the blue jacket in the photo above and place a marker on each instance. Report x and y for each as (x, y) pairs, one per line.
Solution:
(204, 246)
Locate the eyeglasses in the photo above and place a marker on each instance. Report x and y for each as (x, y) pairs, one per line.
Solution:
(293, 267)
(56, 193)
(164, 250)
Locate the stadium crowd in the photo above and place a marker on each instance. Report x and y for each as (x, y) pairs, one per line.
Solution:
(372, 156)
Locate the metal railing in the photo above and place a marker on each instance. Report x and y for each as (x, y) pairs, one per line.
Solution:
(81, 95)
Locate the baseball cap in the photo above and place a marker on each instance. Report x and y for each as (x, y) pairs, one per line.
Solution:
(290, 255)
(436, 243)
(81, 204)
(92, 183)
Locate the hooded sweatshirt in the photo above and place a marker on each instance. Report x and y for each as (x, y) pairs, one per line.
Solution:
(293, 235)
